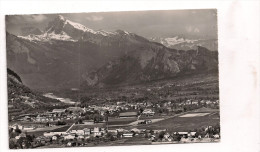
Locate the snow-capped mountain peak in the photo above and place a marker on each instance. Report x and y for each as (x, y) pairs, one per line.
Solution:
(105, 33)
(80, 27)
(182, 43)
(48, 36)
(61, 17)
(63, 29)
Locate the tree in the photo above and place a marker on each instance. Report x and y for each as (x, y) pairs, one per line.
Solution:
(11, 130)
(17, 130)
(47, 124)
(12, 144)
(79, 121)
(146, 135)
(176, 137)
(110, 136)
(141, 110)
(60, 123)
(29, 138)
(161, 134)
(160, 110)
(13, 135)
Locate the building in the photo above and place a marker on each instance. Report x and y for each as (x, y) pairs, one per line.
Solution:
(136, 130)
(54, 138)
(68, 137)
(16, 126)
(127, 135)
(86, 131)
(28, 127)
(50, 134)
(148, 112)
(59, 110)
(78, 132)
(97, 132)
(128, 114)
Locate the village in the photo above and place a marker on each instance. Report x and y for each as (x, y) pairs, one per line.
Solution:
(104, 124)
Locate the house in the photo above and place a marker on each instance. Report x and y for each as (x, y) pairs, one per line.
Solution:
(20, 136)
(184, 140)
(127, 135)
(59, 110)
(97, 132)
(195, 102)
(48, 134)
(136, 130)
(113, 132)
(80, 137)
(69, 144)
(192, 134)
(54, 138)
(148, 112)
(86, 131)
(166, 135)
(159, 130)
(208, 102)
(41, 119)
(128, 114)
(68, 137)
(121, 130)
(78, 132)
(16, 126)
(216, 136)
(183, 134)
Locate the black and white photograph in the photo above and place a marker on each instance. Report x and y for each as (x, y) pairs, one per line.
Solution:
(112, 78)
(131, 76)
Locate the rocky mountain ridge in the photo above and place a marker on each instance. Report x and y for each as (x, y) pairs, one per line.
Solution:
(70, 55)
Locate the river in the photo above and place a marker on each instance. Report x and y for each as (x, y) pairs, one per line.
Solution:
(64, 100)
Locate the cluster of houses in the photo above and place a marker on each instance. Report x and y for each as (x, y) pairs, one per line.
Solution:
(77, 133)
(82, 135)
(155, 136)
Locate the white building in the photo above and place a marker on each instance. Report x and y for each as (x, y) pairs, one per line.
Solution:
(78, 132)
(97, 132)
(148, 112)
(68, 137)
(127, 135)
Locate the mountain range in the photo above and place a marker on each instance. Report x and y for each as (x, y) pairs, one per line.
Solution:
(70, 55)
(182, 43)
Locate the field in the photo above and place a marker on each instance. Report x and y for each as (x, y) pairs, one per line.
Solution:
(181, 123)
(194, 114)
(120, 121)
(82, 126)
(41, 131)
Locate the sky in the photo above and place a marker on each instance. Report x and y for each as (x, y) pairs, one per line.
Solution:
(200, 23)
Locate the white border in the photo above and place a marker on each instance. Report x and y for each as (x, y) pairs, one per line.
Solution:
(238, 60)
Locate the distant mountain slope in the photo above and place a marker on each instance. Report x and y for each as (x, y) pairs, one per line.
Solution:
(180, 43)
(144, 65)
(21, 99)
(67, 54)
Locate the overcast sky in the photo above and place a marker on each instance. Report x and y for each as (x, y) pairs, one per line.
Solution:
(188, 23)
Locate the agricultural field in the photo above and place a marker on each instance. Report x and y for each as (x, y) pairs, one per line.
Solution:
(121, 121)
(49, 129)
(82, 126)
(186, 122)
